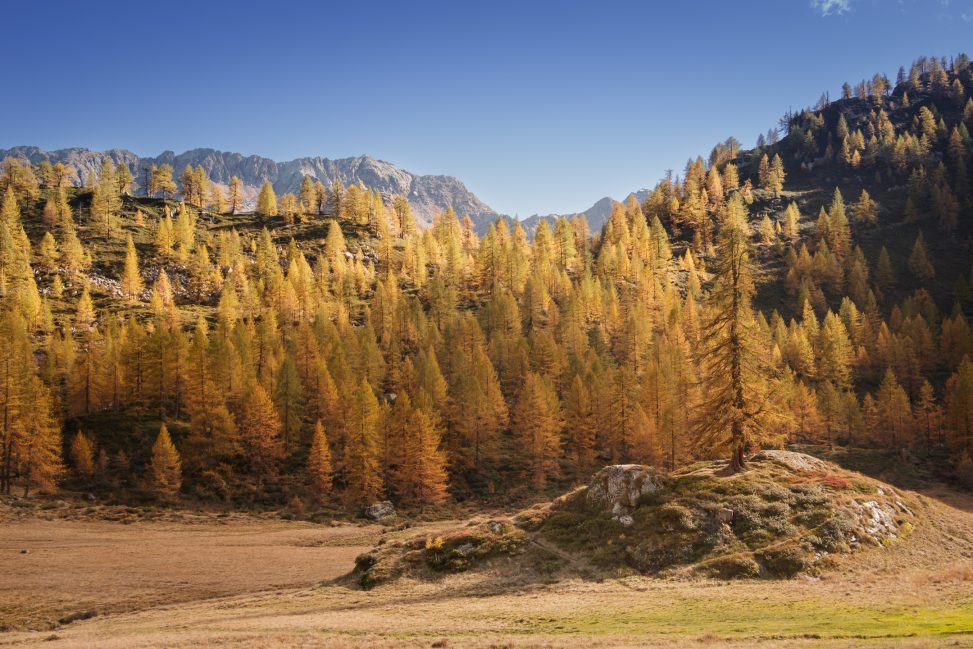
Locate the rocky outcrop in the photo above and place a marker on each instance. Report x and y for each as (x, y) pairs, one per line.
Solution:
(380, 511)
(787, 514)
(454, 551)
(781, 517)
(620, 489)
(428, 194)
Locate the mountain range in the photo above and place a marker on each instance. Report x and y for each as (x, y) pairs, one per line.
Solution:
(428, 194)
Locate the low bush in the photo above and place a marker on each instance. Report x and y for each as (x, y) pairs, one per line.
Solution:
(782, 561)
(739, 566)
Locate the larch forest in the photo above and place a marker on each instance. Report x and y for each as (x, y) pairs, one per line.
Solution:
(328, 402)
(160, 343)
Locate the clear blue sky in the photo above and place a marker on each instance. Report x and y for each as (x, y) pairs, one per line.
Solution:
(536, 106)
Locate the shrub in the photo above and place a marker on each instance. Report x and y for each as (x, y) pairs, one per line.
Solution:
(676, 517)
(835, 481)
(812, 518)
(807, 495)
(773, 493)
(782, 561)
(733, 567)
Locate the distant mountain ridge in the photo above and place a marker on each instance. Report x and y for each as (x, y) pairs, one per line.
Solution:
(428, 194)
(596, 215)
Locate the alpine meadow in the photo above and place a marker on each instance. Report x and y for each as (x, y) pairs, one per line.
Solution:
(258, 401)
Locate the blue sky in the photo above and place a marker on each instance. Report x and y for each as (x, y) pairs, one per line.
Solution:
(536, 106)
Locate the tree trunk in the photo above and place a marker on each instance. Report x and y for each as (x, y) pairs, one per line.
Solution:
(738, 461)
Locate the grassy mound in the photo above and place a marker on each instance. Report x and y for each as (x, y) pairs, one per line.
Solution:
(455, 551)
(788, 514)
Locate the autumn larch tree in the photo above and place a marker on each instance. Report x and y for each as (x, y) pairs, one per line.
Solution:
(536, 423)
(39, 452)
(736, 374)
(161, 181)
(309, 196)
(236, 194)
(260, 430)
(866, 209)
(82, 455)
(421, 477)
(580, 426)
(919, 264)
(131, 276)
(123, 178)
(362, 465)
(775, 179)
(267, 200)
(165, 468)
(319, 469)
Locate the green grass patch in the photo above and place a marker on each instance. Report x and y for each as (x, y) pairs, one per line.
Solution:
(734, 618)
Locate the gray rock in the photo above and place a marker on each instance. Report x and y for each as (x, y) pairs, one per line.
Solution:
(724, 515)
(465, 550)
(620, 488)
(380, 511)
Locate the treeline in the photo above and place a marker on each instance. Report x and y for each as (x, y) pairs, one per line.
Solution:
(414, 364)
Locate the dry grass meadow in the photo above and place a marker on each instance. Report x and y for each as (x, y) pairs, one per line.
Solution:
(197, 581)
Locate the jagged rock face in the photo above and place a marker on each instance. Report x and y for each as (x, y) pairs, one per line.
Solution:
(620, 489)
(429, 195)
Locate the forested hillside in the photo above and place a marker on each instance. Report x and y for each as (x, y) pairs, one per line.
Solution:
(327, 349)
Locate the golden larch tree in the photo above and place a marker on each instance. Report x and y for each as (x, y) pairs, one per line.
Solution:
(165, 468)
(131, 276)
(737, 375)
(319, 470)
(362, 464)
(536, 424)
(260, 430)
(83, 455)
(267, 200)
(421, 477)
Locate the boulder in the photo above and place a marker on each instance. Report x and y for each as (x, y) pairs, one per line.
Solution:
(796, 462)
(380, 511)
(724, 515)
(619, 489)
